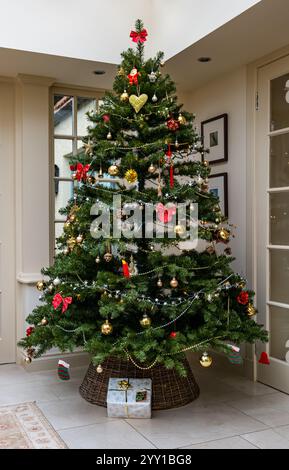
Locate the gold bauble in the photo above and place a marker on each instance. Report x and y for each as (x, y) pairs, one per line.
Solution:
(206, 360)
(160, 283)
(179, 230)
(174, 283)
(251, 311)
(145, 321)
(113, 170)
(151, 169)
(40, 285)
(71, 242)
(124, 96)
(106, 328)
(107, 257)
(66, 226)
(44, 321)
(99, 369)
(79, 239)
(224, 234)
(131, 176)
(182, 119)
(72, 218)
(97, 260)
(27, 360)
(206, 163)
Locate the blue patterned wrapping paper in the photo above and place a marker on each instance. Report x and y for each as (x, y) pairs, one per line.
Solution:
(122, 403)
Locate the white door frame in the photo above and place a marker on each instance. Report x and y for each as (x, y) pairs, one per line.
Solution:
(277, 374)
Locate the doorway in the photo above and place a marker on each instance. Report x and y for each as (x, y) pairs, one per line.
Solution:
(272, 219)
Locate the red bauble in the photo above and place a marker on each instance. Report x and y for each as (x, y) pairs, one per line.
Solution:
(106, 117)
(172, 124)
(173, 335)
(243, 298)
(72, 167)
(29, 330)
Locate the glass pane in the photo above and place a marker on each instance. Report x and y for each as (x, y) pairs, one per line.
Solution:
(84, 105)
(279, 219)
(62, 156)
(279, 161)
(58, 229)
(279, 332)
(280, 102)
(279, 276)
(63, 112)
(63, 192)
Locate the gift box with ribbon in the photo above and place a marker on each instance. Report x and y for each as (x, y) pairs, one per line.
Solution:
(129, 398)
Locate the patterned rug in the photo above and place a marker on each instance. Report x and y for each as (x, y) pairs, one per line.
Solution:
(24, 426)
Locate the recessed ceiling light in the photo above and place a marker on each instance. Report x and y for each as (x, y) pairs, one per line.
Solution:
(99, 72)
(204, 59)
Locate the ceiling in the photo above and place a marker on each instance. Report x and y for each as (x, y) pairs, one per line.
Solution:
(253, 34)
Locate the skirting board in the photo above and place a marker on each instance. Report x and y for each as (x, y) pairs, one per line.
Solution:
(220, 362)
(50, 362)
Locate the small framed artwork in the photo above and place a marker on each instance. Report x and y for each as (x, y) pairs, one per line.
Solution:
(218, 185)
(215, 138)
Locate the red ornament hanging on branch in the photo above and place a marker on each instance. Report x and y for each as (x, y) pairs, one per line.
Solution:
(125, 269)
(173, 124)
(133, 76)
(169, 155)
(29, 330)
(106, 117)
(243, 298)
(264, 359)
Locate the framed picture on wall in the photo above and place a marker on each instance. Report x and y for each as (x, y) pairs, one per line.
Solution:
(218, 185)
(215, 138)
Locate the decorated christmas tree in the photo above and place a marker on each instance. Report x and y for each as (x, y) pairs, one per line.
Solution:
(142, 269)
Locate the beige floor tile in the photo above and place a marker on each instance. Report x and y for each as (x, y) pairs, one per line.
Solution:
(26, 391)
(73, 412)
(193, 424)
(107, 435)
(228, 443)
(272, 410)
(268, 439)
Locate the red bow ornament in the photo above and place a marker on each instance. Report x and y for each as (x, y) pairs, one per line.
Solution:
(139, 37)
(173, 124)
(58, 300)
(133, 76)
(81, 171)
(165, 214)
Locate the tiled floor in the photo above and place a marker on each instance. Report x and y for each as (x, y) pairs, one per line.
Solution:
(231, 413)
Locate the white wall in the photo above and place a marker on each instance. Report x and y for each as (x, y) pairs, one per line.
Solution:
(228, 95)
(99, 29)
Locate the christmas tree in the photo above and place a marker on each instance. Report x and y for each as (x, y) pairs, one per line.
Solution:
(115, 287)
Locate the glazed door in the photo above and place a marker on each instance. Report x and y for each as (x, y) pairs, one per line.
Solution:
(272, 219)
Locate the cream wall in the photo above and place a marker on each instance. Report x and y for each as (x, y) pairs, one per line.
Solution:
(227, 94)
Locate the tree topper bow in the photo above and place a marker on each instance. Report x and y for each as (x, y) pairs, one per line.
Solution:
(139, 37)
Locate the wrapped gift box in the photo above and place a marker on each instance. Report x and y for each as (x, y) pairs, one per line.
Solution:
(129, 398)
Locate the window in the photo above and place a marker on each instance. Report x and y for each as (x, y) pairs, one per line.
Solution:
(69, 123)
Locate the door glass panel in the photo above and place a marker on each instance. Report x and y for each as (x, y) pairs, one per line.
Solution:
(63, 112)
(280, 102)
(279, 218)
(279, 332)
(62, 156)
(279, 161)
(84, 105)
(65, 192)
(279, 276)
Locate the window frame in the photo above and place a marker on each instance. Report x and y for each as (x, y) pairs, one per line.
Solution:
(74, 92)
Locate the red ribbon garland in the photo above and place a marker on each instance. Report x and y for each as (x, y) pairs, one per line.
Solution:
(169, 155)
(58, 300)
(139, 37)
(81, 171)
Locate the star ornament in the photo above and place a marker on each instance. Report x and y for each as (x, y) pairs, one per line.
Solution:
(88, 148)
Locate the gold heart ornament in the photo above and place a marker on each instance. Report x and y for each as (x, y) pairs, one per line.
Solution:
(138, 102)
